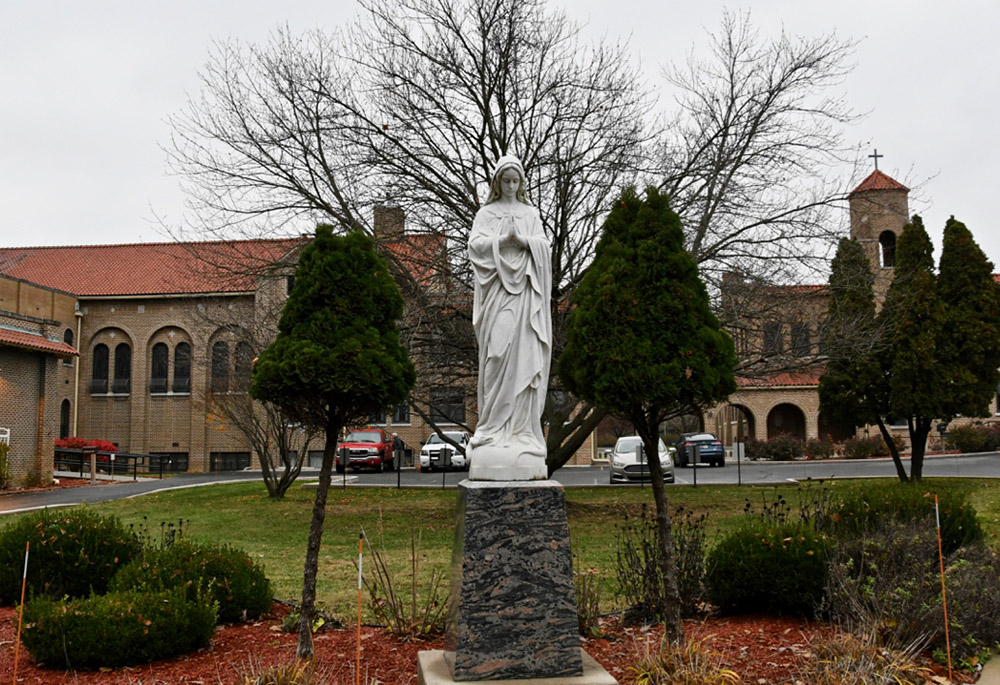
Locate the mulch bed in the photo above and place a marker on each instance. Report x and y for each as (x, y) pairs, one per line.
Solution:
(762, 649)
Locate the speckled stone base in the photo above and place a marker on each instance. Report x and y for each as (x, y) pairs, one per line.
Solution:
(513, 606)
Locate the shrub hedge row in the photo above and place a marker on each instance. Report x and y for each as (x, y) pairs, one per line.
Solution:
(117, 629)
(237, 585)
(73, 552)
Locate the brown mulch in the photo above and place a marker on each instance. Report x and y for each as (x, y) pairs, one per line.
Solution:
(762, 649)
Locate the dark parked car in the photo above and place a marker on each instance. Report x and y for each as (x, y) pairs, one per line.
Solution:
(712, 451)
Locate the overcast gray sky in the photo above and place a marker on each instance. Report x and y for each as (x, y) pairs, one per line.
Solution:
(87, 86)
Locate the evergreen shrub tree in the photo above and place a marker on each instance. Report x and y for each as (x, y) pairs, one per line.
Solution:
(644, 345)
(227, 574)
(73, 552)
(769, 568)
(336, 360)
(117, 629)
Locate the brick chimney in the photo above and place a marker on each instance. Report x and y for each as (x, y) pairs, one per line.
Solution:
(389, 224)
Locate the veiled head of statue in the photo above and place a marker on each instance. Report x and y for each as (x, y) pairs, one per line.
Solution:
(507, 163)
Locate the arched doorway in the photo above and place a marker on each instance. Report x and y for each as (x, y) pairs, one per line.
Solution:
(735, 423)
(835, 431)
(786, 419)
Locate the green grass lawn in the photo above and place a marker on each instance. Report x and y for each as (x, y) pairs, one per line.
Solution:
(274, 532)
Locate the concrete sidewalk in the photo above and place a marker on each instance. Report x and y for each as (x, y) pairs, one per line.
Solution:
(991, 672)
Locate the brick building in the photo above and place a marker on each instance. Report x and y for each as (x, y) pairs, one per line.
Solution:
(786, 331)
(133, 343)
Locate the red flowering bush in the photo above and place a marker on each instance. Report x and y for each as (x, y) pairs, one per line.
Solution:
(79, 443)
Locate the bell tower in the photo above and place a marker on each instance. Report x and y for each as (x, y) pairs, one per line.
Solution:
(879, 210)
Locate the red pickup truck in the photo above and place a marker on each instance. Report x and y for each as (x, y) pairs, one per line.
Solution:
(367, 447)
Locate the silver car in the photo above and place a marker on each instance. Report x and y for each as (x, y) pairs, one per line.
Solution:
(626, 466)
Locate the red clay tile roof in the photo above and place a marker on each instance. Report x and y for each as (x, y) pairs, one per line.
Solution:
(878, 181)
(422, 255)
(145, 268)
(784, 379)
(35, 341)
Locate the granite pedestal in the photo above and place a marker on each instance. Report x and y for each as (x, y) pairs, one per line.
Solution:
(513, 609)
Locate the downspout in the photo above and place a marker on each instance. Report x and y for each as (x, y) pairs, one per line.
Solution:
(76, 370)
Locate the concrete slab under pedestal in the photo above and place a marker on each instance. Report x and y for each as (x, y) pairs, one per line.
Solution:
(432, 669)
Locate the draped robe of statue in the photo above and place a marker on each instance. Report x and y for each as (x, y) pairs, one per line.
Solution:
(513, 327)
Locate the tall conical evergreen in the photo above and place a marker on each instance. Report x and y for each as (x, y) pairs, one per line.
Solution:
(853, 389)
(968, 349)
(912, 319)
(849, 388)
(644, 344)
(336, 360)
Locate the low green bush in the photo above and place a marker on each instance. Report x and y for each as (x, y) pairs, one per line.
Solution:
(863, 448)
(233, 579)
(768, 568)
(73, 552)
(6, 479)
(967, 439)
(782, 447)
(117, 629)
(816, 448)
(872, 506)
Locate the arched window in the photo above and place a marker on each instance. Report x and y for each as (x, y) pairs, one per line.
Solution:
(220, 367)
(64, 419)
(68, 339)
(243, 366)
(158, 374)
(122, 383)
(182, 368)
(887, 245)
(99, 374)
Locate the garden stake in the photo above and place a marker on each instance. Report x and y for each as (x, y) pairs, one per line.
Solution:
(944, 597)
(361, 543)
(24, 581)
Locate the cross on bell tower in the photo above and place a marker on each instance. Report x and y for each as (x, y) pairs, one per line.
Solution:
(876, 156)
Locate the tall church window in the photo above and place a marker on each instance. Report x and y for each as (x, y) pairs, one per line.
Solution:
(99, 373)
(447, 405)
(402, 413)
(887, 248)
(243, 366)
(772, 338)
(64, 419)
(182, 368)
(122, 383)
(68, 339)
(801, 344)
(158, 373)
(220, 367)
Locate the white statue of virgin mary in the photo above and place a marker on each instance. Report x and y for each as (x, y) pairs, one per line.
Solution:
(512, 261)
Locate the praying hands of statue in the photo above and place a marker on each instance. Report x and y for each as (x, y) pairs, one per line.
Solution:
(509, 237)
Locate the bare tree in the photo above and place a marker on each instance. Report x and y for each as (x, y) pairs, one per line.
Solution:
(753, 158)
(281, 445)
(412, 106)
(259, 268)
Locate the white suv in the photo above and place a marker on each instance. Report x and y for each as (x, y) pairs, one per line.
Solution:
(431, 456)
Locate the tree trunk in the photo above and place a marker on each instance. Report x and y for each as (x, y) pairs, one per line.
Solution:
(308, 609)
(670, 609)
(893, 450)
(920, 428)
(569, 441)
